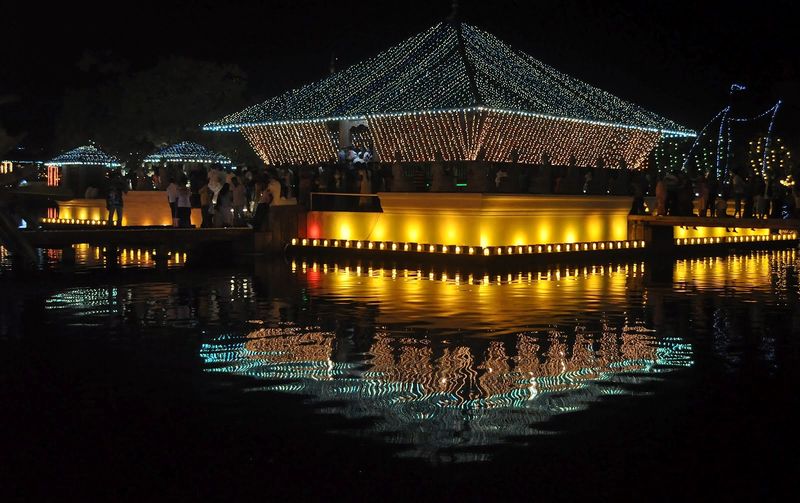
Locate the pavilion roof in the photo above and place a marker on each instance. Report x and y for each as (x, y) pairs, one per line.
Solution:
(450, 66)
(187, 151)
(88, 155)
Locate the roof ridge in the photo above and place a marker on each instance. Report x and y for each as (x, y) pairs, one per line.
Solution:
(450, 66)
(470, 70)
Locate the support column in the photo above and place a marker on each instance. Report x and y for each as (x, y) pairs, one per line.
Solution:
(112, 256)
(161, 257)
(68, 255)
(660, 238)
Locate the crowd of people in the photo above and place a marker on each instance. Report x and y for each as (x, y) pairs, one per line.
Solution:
(227, 198)
(752, 196)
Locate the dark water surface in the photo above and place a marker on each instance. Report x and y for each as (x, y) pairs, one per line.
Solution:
(273, 380)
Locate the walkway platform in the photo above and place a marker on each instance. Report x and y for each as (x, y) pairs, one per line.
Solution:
(726, 222)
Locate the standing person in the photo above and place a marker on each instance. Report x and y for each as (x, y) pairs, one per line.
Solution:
(638, 198)
(796, 194)
(288, 182)
(712, 195)
(587, 181)
(776, 198)
(703, 190)
(249, 184)
(223, 216)
(673, 184)
(274, 187)
(721, 209)
(738, 194)
(749, 187)
(205, 205)
(759, 205)
(172, 198)
(684, 198)
(114, 205)
(265, 199)
(239, 196)
(500, 178)
(661, 197)
(304, 185)
(364, 185)
(184, 206)
(214, 176)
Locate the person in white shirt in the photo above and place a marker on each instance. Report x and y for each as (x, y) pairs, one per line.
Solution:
(260, 220)
(274, 186)
(215, 177)
(224, 213)
(172, 197)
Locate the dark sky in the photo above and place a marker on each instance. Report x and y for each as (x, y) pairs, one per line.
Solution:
(677, 58)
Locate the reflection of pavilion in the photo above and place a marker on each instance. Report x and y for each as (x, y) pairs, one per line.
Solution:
(457, 92)
(452, 396)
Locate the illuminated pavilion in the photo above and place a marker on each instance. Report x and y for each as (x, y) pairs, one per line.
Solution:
(456, 90)
(187, 152)
(78, 168)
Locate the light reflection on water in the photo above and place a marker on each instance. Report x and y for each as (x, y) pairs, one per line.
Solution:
(453, 362)
(89, 257)
(448, 365)
(433, 397)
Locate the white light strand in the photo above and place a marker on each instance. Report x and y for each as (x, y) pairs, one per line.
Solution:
(428, 73)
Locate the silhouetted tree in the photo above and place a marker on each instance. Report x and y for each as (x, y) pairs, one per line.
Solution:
(131, 113)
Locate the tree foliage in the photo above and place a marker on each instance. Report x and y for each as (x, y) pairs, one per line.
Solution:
(130, 113)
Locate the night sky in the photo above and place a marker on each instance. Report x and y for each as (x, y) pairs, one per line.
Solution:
(675, 58)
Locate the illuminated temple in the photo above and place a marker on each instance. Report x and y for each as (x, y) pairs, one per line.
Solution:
(457, 91)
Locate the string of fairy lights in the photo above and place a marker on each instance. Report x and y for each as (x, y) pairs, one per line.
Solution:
(522, 82)
(292, 143)
(723, 144)
(462, 135)
(428, 95)
(187, 151)
(86, 155)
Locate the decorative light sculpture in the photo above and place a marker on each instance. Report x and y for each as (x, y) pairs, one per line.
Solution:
(460, 91)
(87, 155)
(187, 151)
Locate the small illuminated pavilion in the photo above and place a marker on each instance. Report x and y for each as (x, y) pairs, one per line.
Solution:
(460, 91)
(187, 152)
(80, 167)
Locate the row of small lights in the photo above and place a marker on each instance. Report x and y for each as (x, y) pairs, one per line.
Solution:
(468, 250)
(137, 254)
(235, 127)
(470, 278)
(735, 239)
(75, 221)
(156, 160)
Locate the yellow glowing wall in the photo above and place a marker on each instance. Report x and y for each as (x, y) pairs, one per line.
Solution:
(713, 232)
(140, 208)
(479, 219)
